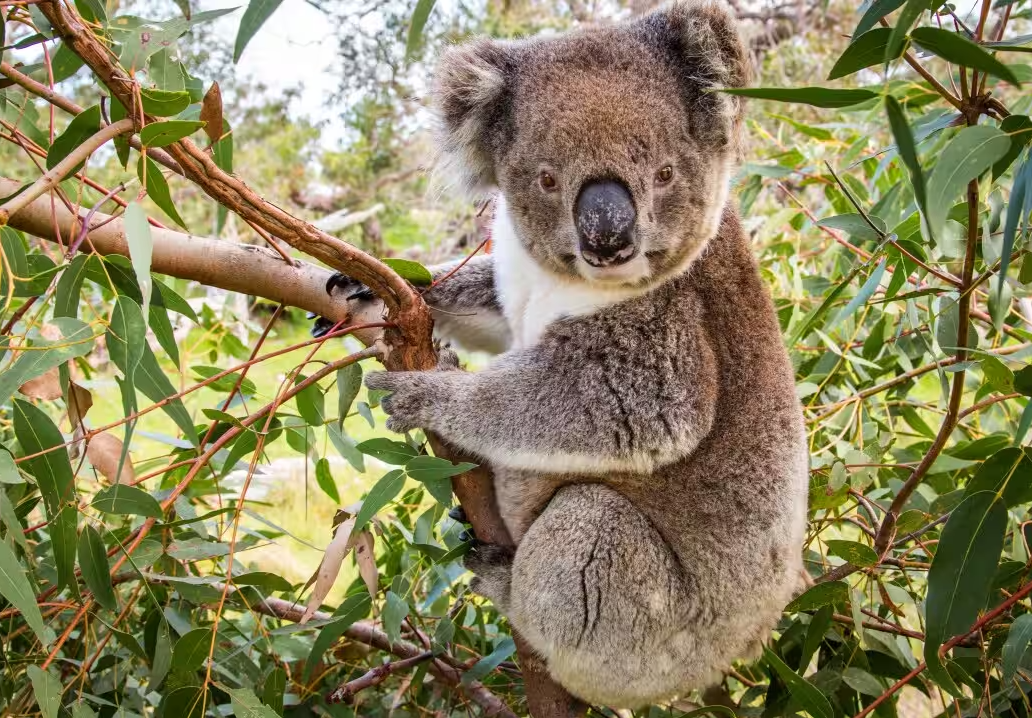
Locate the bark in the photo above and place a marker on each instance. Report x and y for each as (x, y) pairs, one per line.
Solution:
(262, 272)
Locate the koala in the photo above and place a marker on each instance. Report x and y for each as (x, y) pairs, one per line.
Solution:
(641, 420)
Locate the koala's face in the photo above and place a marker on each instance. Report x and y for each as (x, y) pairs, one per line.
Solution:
(609, 146)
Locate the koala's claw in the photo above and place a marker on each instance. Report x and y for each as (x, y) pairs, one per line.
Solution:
(458, 513)
(357, 289)
(321, 326)
(468, 536)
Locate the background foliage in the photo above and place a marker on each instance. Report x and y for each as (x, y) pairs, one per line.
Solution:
(175, 460)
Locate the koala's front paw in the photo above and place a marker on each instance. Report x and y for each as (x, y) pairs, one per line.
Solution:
(356, 291)
(412, 400)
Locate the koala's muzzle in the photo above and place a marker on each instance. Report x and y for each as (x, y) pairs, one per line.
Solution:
(605, 217)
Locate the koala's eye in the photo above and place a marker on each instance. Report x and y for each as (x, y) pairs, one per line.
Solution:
(665, 175)
(547, 181)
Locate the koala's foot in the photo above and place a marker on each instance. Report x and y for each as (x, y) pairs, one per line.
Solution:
(492, 568)
(457, 513)
(355, 291)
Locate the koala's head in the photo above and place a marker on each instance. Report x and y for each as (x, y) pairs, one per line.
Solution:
(609, 145)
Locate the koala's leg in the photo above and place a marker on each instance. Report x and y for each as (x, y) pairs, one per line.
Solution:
(599, 594)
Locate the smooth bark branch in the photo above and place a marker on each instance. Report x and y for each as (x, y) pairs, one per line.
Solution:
(261, 272)
(62, 169)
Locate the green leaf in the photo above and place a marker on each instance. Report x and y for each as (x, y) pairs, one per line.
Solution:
(346, 447)
(263, 580)
(1023, 380)
(997, 374)
(324, 477)
(273, 690)
(1017, 210)
(816, 96)
(63, 538)
(864, 51)
(81, 710)
(390, 452)
(823, 594)
(856, 553)
(1017, 643)
(191, 651)
(907, 150)
(196, 549)
(1019, 127)
(141, 248)
(160, 134)
(962, 573)
(862, 682)
(419, 17)
(877, 10)
(395, 609)
(954, 47)
(382, 493)
(52, 470)
(257, 12)
(349, 382)
(413, 272)
(503, 649)
(354, 608)
(904, 21)
(8, 469)
(1008, 474)
(246, 704)
(76, 341)
(166, 73)
(127, 501)
(15, 587)
(310, 403)
(81, 128)
(94, 565)
(866, 292)
(803, 692)
(428, 468)
(184, 702)
(69, 287)
(92, 10)
(971, 152)
(47, 689)
(164, 103)
(133, 356)
(157, 188)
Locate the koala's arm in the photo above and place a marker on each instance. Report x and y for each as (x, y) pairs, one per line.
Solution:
(596, 399)
(465, 305)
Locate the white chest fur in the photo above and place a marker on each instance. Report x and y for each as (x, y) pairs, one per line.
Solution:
(532, 297)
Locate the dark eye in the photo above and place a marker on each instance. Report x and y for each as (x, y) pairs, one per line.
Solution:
(665, 175)
(547, 181)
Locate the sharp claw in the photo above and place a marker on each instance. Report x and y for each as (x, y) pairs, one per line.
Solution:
(458, 513)
(467, 536)
(365, 294)
(321, 326)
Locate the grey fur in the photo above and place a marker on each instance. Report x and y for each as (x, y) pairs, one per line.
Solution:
(648, 449)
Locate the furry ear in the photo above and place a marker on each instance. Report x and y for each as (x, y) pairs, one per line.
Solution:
(469, 90)
(704, 46)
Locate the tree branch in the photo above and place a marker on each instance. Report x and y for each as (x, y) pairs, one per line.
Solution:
(63, 168)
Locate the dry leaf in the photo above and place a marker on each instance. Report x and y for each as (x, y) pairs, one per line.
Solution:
(47, 386)
(329, 568)
(79, 402)
(366, 560)
(211, 112)
(104, 451)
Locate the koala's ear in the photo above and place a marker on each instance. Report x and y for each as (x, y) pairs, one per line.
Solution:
(469, 89)
(709, 42)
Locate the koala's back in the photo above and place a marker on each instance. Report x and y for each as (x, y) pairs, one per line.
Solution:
(732, 513)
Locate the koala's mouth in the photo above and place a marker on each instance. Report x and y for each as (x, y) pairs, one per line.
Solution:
(635, 270)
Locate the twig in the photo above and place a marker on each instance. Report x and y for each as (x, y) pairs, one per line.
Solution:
(990, 616)
(63, 168)
(345, 692)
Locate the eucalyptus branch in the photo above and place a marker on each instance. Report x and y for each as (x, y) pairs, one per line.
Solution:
(42, 91)
(62, 169)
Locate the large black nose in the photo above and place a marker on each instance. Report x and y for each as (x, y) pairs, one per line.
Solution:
(605, 218)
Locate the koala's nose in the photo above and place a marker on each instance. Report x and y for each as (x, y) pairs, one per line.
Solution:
(605, 217)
